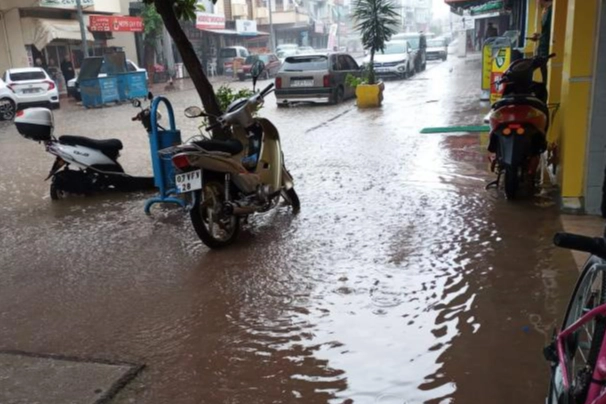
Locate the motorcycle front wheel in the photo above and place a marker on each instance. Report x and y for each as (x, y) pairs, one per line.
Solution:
(215, 229)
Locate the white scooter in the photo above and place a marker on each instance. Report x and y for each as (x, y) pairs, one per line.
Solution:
(228, 180)
(96, 160)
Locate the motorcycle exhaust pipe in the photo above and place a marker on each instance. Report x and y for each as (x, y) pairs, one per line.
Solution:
(235, 210)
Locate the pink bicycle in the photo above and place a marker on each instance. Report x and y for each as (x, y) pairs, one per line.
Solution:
(578, 351)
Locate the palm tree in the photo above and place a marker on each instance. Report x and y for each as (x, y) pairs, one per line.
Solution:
(376, 20)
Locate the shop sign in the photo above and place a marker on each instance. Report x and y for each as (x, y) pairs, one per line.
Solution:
(246, 27)
(65, 3)
(210, 21)
(115, 23)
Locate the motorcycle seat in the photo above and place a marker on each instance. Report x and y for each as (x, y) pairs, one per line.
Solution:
(109, 147)
(231, 146)
(522, 100)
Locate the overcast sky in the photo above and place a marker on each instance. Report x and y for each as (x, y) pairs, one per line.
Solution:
(440, 9)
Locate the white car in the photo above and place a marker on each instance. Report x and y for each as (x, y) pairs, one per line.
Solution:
(8, 102)
(74, 91)
(397, 59)
(32, 87)
(285, 50)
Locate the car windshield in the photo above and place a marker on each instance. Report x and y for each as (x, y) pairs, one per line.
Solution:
(287, 52)
(435, 43)
(413, 41)
(305, 63)
(228, 53)
(23, 76)
(392, 48)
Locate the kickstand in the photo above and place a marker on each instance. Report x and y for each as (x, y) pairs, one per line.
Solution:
(496, 182)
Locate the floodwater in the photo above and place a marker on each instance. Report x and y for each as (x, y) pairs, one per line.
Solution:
(400, 281)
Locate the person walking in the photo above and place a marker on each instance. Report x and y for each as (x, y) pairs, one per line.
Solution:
(67, 68)
(544, 37)
(491, 31)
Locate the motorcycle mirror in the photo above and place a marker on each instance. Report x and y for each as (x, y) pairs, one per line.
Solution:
(256, 70)
(136, 103)
(193, 112)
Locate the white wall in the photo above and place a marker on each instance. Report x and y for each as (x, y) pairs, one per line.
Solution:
(16, 44)
(124, 39)
(108, 6)
(4, 55)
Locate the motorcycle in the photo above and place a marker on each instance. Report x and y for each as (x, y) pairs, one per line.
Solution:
(225, 181)
(518, 125)
(96, 160)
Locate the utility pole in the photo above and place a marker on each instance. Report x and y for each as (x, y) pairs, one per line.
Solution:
(82, 28)
(272, 40)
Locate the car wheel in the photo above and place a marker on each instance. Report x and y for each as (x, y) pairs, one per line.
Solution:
(241, 77)
(78, 96)
(282, 105)
(7, 109)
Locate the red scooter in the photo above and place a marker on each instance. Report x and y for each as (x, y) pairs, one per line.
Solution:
(518, 125)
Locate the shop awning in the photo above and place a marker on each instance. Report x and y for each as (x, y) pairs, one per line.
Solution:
(234, 32)
(465, 3)
(46, 30)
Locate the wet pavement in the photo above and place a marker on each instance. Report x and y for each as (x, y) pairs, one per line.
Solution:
(401, 280)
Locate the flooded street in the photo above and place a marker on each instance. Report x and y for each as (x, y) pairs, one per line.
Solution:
(400, 281)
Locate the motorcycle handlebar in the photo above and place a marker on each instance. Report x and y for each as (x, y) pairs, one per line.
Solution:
(267, 89)
(213, 126)
(592, 245)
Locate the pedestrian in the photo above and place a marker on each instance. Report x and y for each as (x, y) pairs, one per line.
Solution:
(39, 63)
(491, 31)
(67, 68)
(544, 37)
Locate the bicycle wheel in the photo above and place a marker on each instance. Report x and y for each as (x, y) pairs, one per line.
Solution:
(582, 347)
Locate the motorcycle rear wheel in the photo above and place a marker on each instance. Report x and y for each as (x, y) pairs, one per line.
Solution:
(292, 199)
(215, 229)
(512, 181)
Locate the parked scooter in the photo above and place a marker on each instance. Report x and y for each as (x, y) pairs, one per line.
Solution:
(518, 125)
(228, 180)
(96, 160)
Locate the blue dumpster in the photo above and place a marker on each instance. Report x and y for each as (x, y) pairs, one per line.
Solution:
(132, 85)
(99, 91)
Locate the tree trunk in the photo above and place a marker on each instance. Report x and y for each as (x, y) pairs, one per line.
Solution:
(371, 74)
(190, 60)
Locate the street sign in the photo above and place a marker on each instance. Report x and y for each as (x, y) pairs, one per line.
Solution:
(210, 21)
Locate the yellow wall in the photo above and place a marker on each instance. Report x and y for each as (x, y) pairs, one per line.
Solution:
(556, 66)
(533, 24)
(576, 91)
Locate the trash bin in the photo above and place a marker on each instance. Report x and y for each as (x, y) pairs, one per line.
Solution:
(96, 91)
(132, 85)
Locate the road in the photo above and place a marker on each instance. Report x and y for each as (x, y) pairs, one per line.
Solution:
(401, 280)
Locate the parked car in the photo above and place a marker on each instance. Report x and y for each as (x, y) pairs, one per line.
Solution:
(319, 77)
(227, 55)
(272, 65)
(437, 49)
(32, 87)
(285, 50)
(73, 89)
(418, 43)
(397, 59)
(8, 102)
(305, 50)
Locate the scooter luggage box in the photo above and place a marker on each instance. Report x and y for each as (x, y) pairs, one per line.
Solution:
(35, 124)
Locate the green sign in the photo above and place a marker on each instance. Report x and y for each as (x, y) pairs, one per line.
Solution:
(66, 3)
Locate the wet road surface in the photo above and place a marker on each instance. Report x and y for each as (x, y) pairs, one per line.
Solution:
(401, 280)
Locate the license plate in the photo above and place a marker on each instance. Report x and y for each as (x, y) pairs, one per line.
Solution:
(187, 182)
(381, 70)
(30, 90)
(302, 83)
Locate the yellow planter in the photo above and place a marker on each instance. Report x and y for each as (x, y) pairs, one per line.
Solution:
(369, 95)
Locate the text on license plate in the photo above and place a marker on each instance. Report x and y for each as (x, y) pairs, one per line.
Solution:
(30, 90)
(302, 83)
(190, 181)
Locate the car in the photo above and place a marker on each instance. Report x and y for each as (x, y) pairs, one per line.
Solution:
(32, 87)
(227, 56)
(396, 60)
(73, 90)
(271, 61)
(8, 102)
(437, 49)
(285, 50)
(319, 77)
(418, 43)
